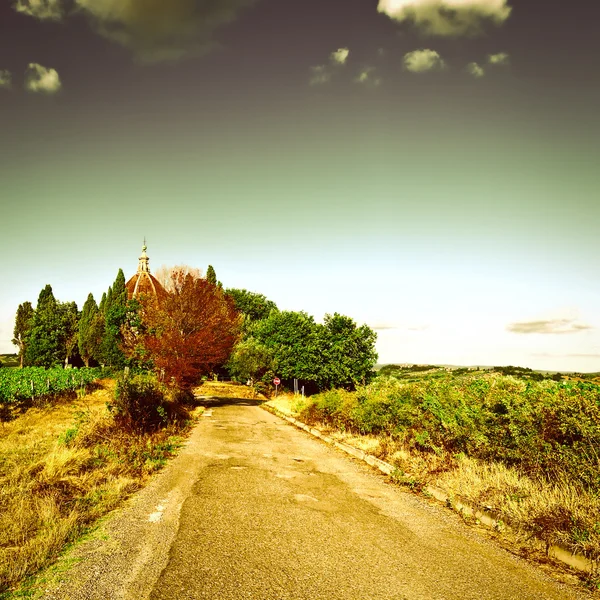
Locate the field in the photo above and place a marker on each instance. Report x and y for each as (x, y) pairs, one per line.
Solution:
(527, 450)
(19, 386)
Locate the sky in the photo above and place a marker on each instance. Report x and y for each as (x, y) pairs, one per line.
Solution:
(428, 167)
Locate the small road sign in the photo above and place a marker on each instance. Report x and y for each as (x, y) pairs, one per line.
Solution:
(276, 381)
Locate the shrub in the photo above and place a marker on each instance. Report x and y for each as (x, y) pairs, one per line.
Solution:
(546, 429)
(140, 403)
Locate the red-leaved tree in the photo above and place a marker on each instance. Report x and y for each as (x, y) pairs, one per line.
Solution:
(190, 331)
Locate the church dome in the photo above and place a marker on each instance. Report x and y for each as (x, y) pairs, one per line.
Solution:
(143, 283)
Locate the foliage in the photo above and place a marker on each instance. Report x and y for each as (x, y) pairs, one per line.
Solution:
(70, 327)
(192, 330)
(347, 352)
(250, 360)
(51, 337)
(546, 429)
(292, 339)
(21, 385)
(211, 276)
(23, 323)
(139, 403)
(253, 306)
(90, 331)
(336, 353)
(115, 314)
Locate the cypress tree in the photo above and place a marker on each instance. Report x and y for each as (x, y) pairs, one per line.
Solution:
(44, 346)
(115, 314)
(90, 330)
(211, 276)
(23, 324)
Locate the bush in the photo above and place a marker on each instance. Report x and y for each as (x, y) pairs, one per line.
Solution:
(140, 403)
(546, 429)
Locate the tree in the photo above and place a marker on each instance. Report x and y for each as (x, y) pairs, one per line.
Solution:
(192, 331)
(335, 354)
(69, 319)
(292, 339)
(23, 323)
(348, 352)
(252, 305)
(90, 331)
(250, 360)
(211, 276)
(115, 314)
(44, 343)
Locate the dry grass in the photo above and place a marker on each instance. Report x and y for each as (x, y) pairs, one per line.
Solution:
(61, 468)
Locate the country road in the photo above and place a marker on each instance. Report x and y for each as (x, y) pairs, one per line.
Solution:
(253, 508)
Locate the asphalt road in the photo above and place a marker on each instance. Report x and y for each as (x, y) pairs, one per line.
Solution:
(256, 509)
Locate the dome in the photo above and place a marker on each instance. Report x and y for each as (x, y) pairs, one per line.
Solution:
(143, 283)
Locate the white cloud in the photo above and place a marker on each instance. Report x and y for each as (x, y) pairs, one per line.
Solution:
(5, 80)
(421, 61)
(502, 58)
(447, 17)
(155, 30)
(340, 56)
(475, 70)
(41, 9)
(319, 75)
(41, 79)
(368, 76)
(548, 326)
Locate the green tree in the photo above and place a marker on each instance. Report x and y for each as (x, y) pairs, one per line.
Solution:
(23, 323)
(44, 344)
(250, 360)
(292, 339)
(115, 315)
(253, 306)
(348, 353)
(211, 276)
(69, 319)
(90, 331)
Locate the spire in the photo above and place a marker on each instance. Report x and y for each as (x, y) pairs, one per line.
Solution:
(143, 266)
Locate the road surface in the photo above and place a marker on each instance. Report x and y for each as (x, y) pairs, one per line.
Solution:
(253, 508)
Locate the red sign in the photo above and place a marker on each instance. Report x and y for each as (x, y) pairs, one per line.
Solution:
(276, 381)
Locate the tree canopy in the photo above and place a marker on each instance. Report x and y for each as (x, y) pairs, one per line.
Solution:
(192, 331)
(23, 324)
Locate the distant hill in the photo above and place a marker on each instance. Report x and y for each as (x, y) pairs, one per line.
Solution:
(9, 360)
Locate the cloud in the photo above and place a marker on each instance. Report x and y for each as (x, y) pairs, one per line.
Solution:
(45, 10)
(154, 30)
(447, 17)
(421, 61)
(340, 56)
(5, 80)
(502, 58)
(475, 70)
(41, 79)
(320, 75)
(368, 76)
(552, 326)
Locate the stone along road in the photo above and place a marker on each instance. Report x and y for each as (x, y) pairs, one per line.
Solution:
(254, 508)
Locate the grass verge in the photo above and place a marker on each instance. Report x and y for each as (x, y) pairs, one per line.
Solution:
(63, 466)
